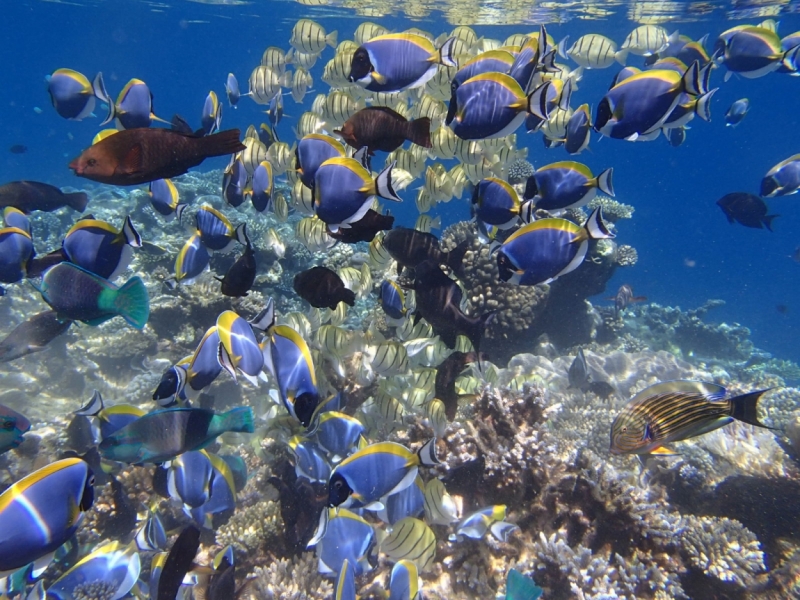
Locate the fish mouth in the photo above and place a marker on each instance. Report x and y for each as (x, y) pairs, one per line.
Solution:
(75, 166)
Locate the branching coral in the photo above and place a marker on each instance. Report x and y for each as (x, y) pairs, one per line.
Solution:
(290, 579)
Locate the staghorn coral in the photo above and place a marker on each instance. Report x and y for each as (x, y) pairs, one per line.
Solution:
(721, 548)
(290, 579)
(250, 529)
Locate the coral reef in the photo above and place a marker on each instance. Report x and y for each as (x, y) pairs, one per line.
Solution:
(519, 171)
(613, 211)
(290, 579)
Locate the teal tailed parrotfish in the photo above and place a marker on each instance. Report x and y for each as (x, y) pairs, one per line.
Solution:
(313, 150)
(133, 108)
(32, 335)
(116, 566)
(171, 387)
(12, 427)
(262, 186)
(28, 196)
(404, 581)
(337, 433)
(239, 351)
(496, 203)
(288, 358)
(783, 179)
(78, 295)
(753, 51)
(566, 184)
(398, 61)
(375, 471)
(347, 536)
(673, 411)
(241, 275)
(203, 367)
(41, 511)
(310, 461)
(216, 231)
(638, 105)
(234, 181)
(345, 588)
(192, 260)
(165, 199)
(211, 117)
(222, 501)
(392, 299)
(164, 434)
(189, 478)
(491, 518)
(519, 587)
(72, 94)
(493, 105)
(542, 251)
(344, 191)
(99, 248)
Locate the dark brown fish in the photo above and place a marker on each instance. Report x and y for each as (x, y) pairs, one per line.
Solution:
(624, 297)
(32, 335)
(241, 275)
(179, 562)
(364, 230)
(446, 374)
(28, 196)
(136, 156)
(410, 248)
(438, 301)
(322, 288)
(39, 264)
(381, 128)
(18, 149)
(746, 209)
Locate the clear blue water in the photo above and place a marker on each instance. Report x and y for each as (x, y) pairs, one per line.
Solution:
(183, 50)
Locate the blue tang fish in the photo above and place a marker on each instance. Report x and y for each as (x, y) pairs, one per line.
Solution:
(171, 387)
(737, 112)
(398, 61)
(262, 186)
(310, 461)
(275, 110)
(566, 184)
(234, 182)
(151, 536)
(222, 501)
(99, 248)
(189, 478)
(239, 350)
(164, 434)
(115, 566)
(348, 537)
(404, 581)
(72, 94)
(753, 52)
(345, 582)
(216, 231)
(579, 130)
(191, 261)
(496, 203)
(165, 199)
(783, 179)
(211, 117)
(133, 108)
(490, 518)
(337, 433)
(344, 190)
(313, 150)
(110, 418)
(203, 367)
(492, 61)
(288, 359)
(232, 90)
(12, 426)
(375, 471)
(16, 252)
(408, 502)
(542, 251)
(392, 299)
(43, 510)
(78, 295)
(14, 217)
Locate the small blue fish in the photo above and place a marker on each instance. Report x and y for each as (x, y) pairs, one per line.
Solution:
(348, 537)
(345, 582)
(310, 460)
(192, 260)
(41, 511)
(344, 190)
(313, 150)
(544, 250)
(288, 359)
(232, 90)
(737, 112)
(78, 295)
(16, 251)
(133, 108)
(222, 502)
(753, 52)
(115, 566)
(337, 433)
(262, 186)
(72, 94)
(151, 536)
(14, 217)
(12, 426)
(189, 478)
(491, 518)
(579, 130)
(99, 248)
(216, 231)
(404, 581)
(211, 118)
(203, 366)
(566, 184)
(234, 182)
(112, 418)
(170, 388)
(165, 199)
(164, 434)
(496, 203)
(783, 179)
(492, 61)
(408, 502)
(392, 299)
(275, 110)
(239, 351)
(375, 471)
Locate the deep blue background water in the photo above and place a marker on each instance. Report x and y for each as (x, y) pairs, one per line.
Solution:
(687, 250)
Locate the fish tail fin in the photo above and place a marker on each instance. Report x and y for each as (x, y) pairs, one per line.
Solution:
(456, 256)
(445, 55)
(77, 200)
(238, 419)
(767, 220)
(383, 184)
(595, 226)
(566, 96)
(703, 105)
(130, 235)
(562, 47)
(537, 101)
(643, 298)
(240, 233)
(427, 454)
(790, 59)
(693, 80)
(604, 182)
(744, 408)
(332, 39)
(419, 132)
(220, 144)
(621, 56)
(132, 302)
(349, 297)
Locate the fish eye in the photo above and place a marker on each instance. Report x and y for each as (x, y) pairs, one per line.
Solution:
(337, 485)
(8, 425)
(91, 480)
(91, 162)
(624, 430)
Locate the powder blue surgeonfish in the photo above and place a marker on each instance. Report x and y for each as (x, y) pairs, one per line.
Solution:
(239, 351)
(16, 251)
(216, 231)
(344, 190)
(211, 118)
(164, 434)
(232, 90)
(12, 426)
(404, 581)
(72, 94)
(542, 251)
(203, 367)
(99, 248)
(347, 536)
(337, 433)
(171, 387)
(375, 471)
(753, 51)
(110, 418)
(78, 295)
(116, 566)
(783, 179)
(566, 184)
(495, 203)
(313, 150)
(408, 502)
(234, 182)
(192, 260)
(165, 199)
(189, 478)
(222, 500)
(133, 108)
(262, 186)
(398, 61)
(345, 582)
(491, 518)
(310, 461)
(392, 299)
(41, 511)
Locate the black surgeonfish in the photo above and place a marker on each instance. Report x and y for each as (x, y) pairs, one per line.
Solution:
(179, 561)
(322, 288)
(439, 302)
(365, 229)
(746, 209)
(410, 248)
(446, 374)
(32, 335)
(241, 275)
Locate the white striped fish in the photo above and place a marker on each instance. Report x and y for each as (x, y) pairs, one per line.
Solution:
(593, 51)
(309, 36)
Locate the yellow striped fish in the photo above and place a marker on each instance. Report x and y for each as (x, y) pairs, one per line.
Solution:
(311, 232)
(308, 123)
(440, 508)
(436, 416)
(412, 540)
(300, 83)
(677, 410)
(276, 59)
(281, 156)
(337, 70)
(265, 83)
(425, 223)
(390, 358)
(306, 61)
(379, 257)
(254, 153)
(367, 30)
(309, 36)
(646, 40)
(593, 51)
(302, 197)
